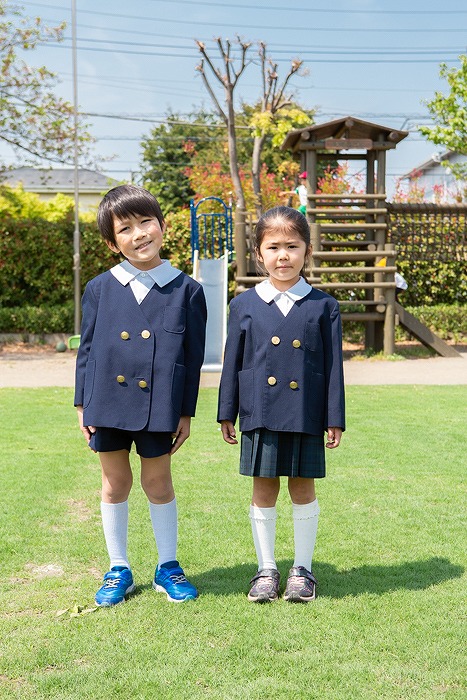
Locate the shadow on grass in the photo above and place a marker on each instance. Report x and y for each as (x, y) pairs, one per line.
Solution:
(332, 583)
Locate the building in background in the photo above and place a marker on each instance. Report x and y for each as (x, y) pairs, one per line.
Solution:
(48, 182)
(436, 180)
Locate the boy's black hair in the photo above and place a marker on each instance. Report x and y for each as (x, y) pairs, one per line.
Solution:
(124, 201)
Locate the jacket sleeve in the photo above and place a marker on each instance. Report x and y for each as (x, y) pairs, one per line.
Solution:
(228, 403)
(195, 336)
(89, 306)
(335, 400)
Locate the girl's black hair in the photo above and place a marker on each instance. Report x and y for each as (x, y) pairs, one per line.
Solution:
(286, 220)
(124, 201)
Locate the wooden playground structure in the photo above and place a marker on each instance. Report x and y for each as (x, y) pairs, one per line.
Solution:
(352, 258)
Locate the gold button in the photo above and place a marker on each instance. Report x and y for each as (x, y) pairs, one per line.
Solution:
(293, 385)
(275, 340)
(296, 343)
(124, 335)
(120, 379)
(142, 384)
(272, 381)
(145, 334)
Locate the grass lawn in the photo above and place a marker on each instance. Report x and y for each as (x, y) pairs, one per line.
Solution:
(390, 562)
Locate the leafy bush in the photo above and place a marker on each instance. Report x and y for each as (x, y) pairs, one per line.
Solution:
(449, 321)
(37, 319)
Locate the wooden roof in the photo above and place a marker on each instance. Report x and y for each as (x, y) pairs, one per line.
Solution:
(347, 133)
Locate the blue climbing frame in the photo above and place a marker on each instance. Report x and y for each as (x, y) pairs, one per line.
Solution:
(211, 232)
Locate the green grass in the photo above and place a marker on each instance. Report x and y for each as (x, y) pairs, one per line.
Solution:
(390, 561)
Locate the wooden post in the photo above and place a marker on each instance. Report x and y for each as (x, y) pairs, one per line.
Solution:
(311, 181)
(240, 242)
(315, 239)
(390, 314)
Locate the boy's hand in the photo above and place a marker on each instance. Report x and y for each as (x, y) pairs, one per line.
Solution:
(228, 432)
(87, 430)
(334, 437)
(181, 434)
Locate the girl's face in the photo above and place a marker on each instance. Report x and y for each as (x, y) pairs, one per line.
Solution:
(283, 255)
(139, 240)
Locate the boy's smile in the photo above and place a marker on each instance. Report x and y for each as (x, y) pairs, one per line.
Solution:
(139, 239)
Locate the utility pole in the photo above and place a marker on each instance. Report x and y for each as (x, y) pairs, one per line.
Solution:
(76, 232)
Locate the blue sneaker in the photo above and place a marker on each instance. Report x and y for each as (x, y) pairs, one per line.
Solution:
(118, 583)
(170, 579)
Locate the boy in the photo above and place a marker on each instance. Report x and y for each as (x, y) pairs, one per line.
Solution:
(137, 380)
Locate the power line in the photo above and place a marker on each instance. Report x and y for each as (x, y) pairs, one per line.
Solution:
(288, 8)
(218, 24)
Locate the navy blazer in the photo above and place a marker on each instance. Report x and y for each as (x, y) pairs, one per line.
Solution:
(283, 373)
(138, 365)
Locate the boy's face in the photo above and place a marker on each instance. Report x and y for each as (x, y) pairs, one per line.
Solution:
(139, 240)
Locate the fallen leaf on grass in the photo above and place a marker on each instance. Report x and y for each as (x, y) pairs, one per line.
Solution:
(75, 611)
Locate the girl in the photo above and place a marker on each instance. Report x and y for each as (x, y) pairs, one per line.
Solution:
(283, 377)
(137, 378)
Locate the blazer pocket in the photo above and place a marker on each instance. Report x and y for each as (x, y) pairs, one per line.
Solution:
(178, 387)
(313, 339)
(174, 319)
(89, 382)
(246, 387)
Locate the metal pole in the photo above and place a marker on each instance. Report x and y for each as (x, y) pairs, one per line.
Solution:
(76, 233)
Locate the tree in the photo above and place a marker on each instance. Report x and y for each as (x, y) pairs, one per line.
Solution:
(33, 120)
(169, 149)
(449, 114)
(229, 80)
(265, 121)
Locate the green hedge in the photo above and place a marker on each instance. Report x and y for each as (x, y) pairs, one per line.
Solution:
(449, 322)
(37, 319)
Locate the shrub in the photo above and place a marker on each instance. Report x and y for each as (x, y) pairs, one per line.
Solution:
(37, 319)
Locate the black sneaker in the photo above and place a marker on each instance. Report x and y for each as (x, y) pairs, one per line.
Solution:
(301, 585)
(264, 586)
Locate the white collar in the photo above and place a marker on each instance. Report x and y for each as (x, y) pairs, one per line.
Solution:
(125, 272)
(268, 292)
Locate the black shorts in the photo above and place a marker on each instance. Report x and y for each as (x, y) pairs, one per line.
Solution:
(147, 444)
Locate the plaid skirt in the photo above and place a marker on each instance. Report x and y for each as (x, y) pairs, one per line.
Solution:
(269, 454)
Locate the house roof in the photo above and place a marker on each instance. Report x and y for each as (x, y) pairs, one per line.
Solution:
(429, 164)
(59, 179)
(344, 128)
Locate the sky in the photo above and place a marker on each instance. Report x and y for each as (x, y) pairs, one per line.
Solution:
(375, 60)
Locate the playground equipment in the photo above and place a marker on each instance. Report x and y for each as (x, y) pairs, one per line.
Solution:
(349, 232)
(211, 245)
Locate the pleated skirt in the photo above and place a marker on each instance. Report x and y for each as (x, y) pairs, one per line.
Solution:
(268, 453)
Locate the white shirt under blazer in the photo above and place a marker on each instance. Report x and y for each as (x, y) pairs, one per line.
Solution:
(283, 372)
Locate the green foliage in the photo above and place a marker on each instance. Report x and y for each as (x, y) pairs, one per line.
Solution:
(170, 148)
(447, 321)
(177, 240)
(36, 259)
(15, 203)
(432, 281)
(34, 121)
(449, 113)
(37, 319)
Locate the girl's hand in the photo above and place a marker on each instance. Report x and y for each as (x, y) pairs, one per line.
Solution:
(334, 437)
(228, 432)
(181, 434)
(87, 430)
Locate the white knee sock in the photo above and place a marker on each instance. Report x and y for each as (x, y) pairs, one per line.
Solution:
(305, 521)
(263, 526)
(164, 524)
(115, 525)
